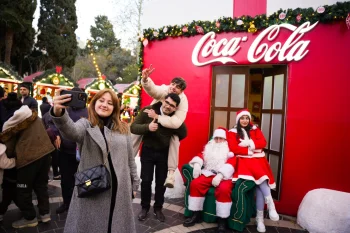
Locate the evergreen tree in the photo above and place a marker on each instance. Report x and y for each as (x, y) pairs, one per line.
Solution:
(57, 25)
(103, 34)
(16, 17)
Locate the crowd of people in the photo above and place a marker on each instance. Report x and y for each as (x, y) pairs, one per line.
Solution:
(96, 141)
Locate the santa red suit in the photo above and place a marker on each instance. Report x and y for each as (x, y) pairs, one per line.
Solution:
(218, 166)
(251, 161)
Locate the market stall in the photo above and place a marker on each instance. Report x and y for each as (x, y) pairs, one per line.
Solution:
(9, 79)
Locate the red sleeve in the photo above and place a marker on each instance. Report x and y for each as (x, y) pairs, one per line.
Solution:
(233, 144)
(232, 161)
(258, 138)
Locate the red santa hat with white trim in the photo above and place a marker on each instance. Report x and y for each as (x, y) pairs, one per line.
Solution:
(243, 112)
(220, 132)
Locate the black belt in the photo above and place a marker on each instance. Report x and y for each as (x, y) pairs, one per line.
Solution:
(213, 171)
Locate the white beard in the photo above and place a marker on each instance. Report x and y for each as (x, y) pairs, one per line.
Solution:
(215, 155)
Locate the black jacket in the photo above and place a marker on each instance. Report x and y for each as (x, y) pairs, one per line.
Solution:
(30, 102)
(159, 139)
(44, 108)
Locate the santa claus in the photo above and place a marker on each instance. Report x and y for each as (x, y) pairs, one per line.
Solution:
(213, 167)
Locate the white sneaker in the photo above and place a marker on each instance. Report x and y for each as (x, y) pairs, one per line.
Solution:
(45, 218)
(25, 223)
(273, 215)
(170, 180)
(260, 221)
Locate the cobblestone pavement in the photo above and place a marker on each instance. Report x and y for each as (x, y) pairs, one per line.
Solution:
(173, 210)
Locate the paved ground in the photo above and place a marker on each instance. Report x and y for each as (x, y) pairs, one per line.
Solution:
(173, 210)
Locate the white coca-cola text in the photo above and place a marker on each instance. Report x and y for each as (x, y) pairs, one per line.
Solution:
(293, 49)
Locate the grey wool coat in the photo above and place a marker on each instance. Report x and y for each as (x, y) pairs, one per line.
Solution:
(90, 215)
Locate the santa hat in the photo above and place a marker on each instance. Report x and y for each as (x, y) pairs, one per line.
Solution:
(219, 133)
(243, 112)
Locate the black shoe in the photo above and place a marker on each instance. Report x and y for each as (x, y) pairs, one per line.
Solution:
(191, 221)
(62, 208)
(143, 214)
(221, 225)
(159, 215)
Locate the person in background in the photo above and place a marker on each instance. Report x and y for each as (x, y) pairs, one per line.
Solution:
(32, 159)
(101, 138)
(154, 153)
(25, 98)
(45, 106)
(247, 142)
(68, 163)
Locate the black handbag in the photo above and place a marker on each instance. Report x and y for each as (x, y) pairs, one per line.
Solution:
(92, 181)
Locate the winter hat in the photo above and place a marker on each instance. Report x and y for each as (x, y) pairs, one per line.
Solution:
(219, 133)
(12, 102)
(25, 85)
(243, 112)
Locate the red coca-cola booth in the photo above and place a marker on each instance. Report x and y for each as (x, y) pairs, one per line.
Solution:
(291, 70)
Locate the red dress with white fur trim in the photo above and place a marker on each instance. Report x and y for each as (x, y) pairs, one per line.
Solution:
(251, 161)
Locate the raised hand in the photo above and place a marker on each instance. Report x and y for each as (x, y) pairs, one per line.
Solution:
(58, 102)
(147, 72)
(153, 126)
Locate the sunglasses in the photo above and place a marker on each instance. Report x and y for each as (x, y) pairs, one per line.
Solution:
(169, 104)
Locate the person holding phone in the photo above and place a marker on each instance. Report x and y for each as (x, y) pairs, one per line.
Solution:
(100, 136)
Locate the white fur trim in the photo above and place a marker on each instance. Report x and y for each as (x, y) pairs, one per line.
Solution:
(196, 159)
(254, 127)
(227, 171)
(223, 209)
(195, 203)
(233, 130)
(251, 144)
(219, 133)
(258, 182)
(243, 113)
(252, 154)
(230, 155)
(19, 116)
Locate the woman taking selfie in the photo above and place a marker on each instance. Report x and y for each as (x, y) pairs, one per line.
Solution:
(103, 140)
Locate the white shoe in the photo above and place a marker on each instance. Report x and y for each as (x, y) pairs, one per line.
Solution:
(260, 221)
(170, 180)
(273, 215)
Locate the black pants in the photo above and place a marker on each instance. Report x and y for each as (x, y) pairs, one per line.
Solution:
(151, 158)
(68, 167)
(29, 178)
(55, 163)
(8, 195)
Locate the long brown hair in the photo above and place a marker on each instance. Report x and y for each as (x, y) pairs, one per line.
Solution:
(117, 125)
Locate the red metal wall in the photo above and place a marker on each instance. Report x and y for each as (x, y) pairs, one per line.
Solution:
(317, 118)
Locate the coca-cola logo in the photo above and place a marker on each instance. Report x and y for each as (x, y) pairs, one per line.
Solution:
(293, 49)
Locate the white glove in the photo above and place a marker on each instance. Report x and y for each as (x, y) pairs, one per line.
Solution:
(217, 179)
(243, 143)
(197, 170)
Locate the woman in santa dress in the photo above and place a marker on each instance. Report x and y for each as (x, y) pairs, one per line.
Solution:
(247, 142)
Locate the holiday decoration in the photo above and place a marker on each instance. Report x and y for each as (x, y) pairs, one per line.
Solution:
(155, 33)
(58, 69)
(55, 80)
(252, 28)
(89, 45)
(185, 29)
(298, 18)
(217, 24)
(347, 21)
(199, 29)
(145, 42)
(165, 30)
(239, 22)
(282, 16)
(320, 9)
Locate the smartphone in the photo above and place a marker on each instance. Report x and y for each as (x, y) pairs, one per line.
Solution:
(78, 99)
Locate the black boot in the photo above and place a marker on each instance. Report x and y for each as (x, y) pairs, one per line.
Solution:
(143, 214)
(222, 225)
(196, 218)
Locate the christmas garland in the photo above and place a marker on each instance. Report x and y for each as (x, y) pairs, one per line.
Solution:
(99, 84)
(8, 70)
(48, 75)
(323, 14)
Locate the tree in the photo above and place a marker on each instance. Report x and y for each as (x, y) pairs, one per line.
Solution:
(57, 25)
(103, 34)
(16, 16)
(129, 74)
